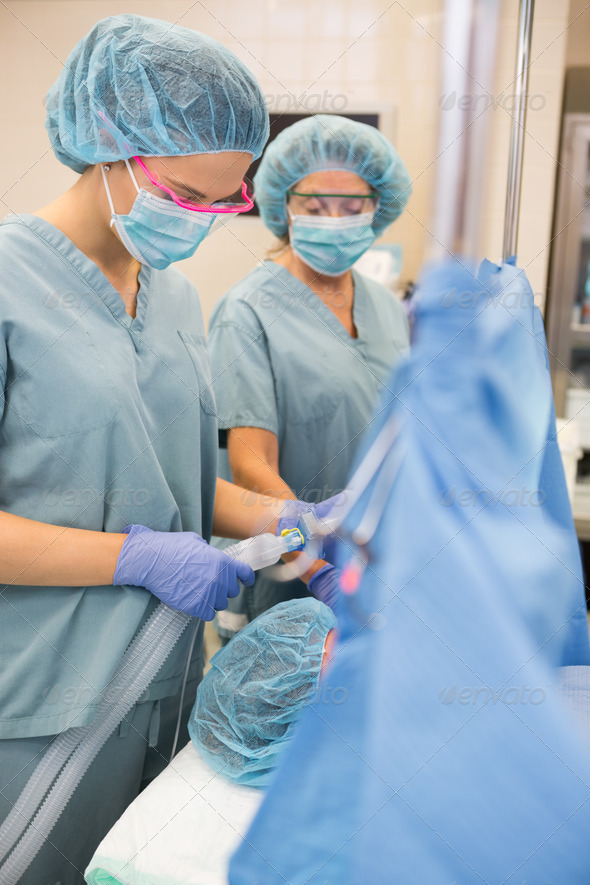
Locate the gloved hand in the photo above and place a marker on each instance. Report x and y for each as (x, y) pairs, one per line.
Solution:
(325, 586)
(181, 569)
(292, 510)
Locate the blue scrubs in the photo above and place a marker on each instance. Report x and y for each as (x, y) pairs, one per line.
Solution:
(105, 420)
(282, 361)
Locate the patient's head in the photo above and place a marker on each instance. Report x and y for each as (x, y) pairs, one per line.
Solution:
(254, 693)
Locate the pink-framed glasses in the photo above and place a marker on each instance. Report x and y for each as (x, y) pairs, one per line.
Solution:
(241, 201)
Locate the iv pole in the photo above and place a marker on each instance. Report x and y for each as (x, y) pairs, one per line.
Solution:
(525, 30)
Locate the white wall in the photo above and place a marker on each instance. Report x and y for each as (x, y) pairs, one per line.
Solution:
(372, 52)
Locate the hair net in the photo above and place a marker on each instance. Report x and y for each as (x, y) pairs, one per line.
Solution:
(140, 86)
(254, 693)
(324, 142)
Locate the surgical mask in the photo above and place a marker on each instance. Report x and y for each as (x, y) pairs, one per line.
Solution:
(157, 232)
(328, 245)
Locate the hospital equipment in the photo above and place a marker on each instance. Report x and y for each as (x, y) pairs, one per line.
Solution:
(317, 523)
(59, 772)
(128, 88)
(568, 439)
(330, 142)
(518, 129)
(266, 549)
(383, 263)
(306, 516)
(567, 309)
(35, 813)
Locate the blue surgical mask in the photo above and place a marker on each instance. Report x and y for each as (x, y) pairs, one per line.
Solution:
(157, 232)
(331, 245)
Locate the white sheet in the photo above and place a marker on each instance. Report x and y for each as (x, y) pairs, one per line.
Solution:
(182, 830)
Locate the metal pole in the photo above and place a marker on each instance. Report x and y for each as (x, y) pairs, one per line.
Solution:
(525, 31)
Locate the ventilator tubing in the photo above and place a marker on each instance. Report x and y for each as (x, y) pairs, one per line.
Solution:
(58, 752)
(138, 667)
(56, 755)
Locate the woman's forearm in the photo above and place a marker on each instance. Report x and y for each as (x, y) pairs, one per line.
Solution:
(43, 555)
(252, 472)
(240, 513)
(262, 479)
(254, 460)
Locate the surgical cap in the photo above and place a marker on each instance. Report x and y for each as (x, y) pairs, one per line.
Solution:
(249, 701)
(140, 86)
(328, 141)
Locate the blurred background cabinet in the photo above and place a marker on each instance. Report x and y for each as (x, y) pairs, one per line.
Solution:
(567, 314)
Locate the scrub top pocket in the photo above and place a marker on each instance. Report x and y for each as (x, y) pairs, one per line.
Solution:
(197, 350)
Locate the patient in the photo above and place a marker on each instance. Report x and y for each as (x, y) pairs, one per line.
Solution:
(258, 685)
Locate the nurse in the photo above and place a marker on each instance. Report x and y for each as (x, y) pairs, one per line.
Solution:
(108, 434)
(302, 347)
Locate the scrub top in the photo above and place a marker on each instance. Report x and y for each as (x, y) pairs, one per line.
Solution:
(282, 361)
(105, 420)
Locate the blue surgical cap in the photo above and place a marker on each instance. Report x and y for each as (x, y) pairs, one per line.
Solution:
(249, 701)
(328, 141)
(141, 86)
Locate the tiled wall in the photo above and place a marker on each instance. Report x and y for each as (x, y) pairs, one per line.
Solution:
(362, 54)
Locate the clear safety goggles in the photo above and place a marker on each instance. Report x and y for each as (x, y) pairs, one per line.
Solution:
(241, 201)
(340, 205)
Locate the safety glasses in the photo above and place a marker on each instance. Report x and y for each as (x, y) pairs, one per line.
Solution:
(241, 201)
(331, 204)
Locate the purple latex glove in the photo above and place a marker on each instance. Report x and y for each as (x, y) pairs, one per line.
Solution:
(292, 510)
(325, 586)
(181, 569)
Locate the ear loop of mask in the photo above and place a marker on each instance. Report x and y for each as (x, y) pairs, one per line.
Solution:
(108, 190)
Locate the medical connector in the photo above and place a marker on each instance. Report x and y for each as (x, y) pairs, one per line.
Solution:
(314, 528)
(266, 549)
